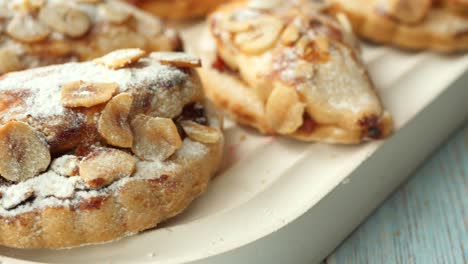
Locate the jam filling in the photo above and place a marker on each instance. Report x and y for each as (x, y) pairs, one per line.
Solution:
(194, 112)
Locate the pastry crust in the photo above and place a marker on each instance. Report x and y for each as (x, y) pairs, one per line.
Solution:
(37, 33)
(290, 69)
(95, 190)
(180, 9)
(442, 25)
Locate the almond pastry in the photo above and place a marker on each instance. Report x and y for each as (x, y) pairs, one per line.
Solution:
(291, 68)
(44, 32)
(180, 9)
(440, 25)
(117, 151)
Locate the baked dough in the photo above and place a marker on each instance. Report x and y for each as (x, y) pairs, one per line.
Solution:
(95, 151)
(42, 32)
(180, 9)
(440, 25)
(287, 68)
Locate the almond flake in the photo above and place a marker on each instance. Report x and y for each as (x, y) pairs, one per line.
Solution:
(120, 58)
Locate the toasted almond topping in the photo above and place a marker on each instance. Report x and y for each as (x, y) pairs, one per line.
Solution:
(67, 165)
(407, 11)
(15, 196)
(83, 94)
(263, 35)
(26, 29)
(284, 111)
(23, 153)
(113, 124)
(120, 58)
(177, 59)
(9, 61)
(114, 13)
(66, 20)
(302, 45)
(291, 34)
(344, 22)
(156, 138)
(322, 43)
(201, 133)
(105, 165)
(235, 25)
(150, 26)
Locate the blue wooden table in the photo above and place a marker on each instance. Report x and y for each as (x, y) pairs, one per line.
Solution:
(424, 222)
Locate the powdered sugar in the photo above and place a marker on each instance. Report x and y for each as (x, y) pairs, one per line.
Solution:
(44, 84)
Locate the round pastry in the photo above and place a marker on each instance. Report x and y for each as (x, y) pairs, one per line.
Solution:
(180, 9)
(95, 151)
(287, 68)
(440, 25)
(42, 32)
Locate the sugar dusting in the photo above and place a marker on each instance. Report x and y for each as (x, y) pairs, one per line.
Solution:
(44, 84)
(53, 190)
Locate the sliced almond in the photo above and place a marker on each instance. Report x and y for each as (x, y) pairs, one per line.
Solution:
(302, 45)
(26, 29)
(114, 13)
(344, 22)
(9, 61)
(177, 59)
(67, 165)
(234, 25)
(156, 138)
(15, 196)
(23, 153)
(290, 35)
(84, 94)
(149, 25)
(322, 44)
(113, 124)
(263, 35)
(407, 11)
(120, 58)
(201, 133)
(66, 20)
(106, 165)
(284, 110)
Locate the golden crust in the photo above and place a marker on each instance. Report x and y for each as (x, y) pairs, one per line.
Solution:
(444, 28)
(98, 27)
(309, 89)
(180, 9)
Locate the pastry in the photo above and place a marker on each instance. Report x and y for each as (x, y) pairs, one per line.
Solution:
(95, 151)
(440, 25)
(42, 32)
(180, 9)
(288, 68)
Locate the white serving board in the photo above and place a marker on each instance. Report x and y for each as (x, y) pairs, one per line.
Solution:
(283, 201)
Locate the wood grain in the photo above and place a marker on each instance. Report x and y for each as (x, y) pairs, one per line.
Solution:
(425, 221)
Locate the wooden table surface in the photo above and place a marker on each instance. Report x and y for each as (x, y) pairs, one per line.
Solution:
(424, 222)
